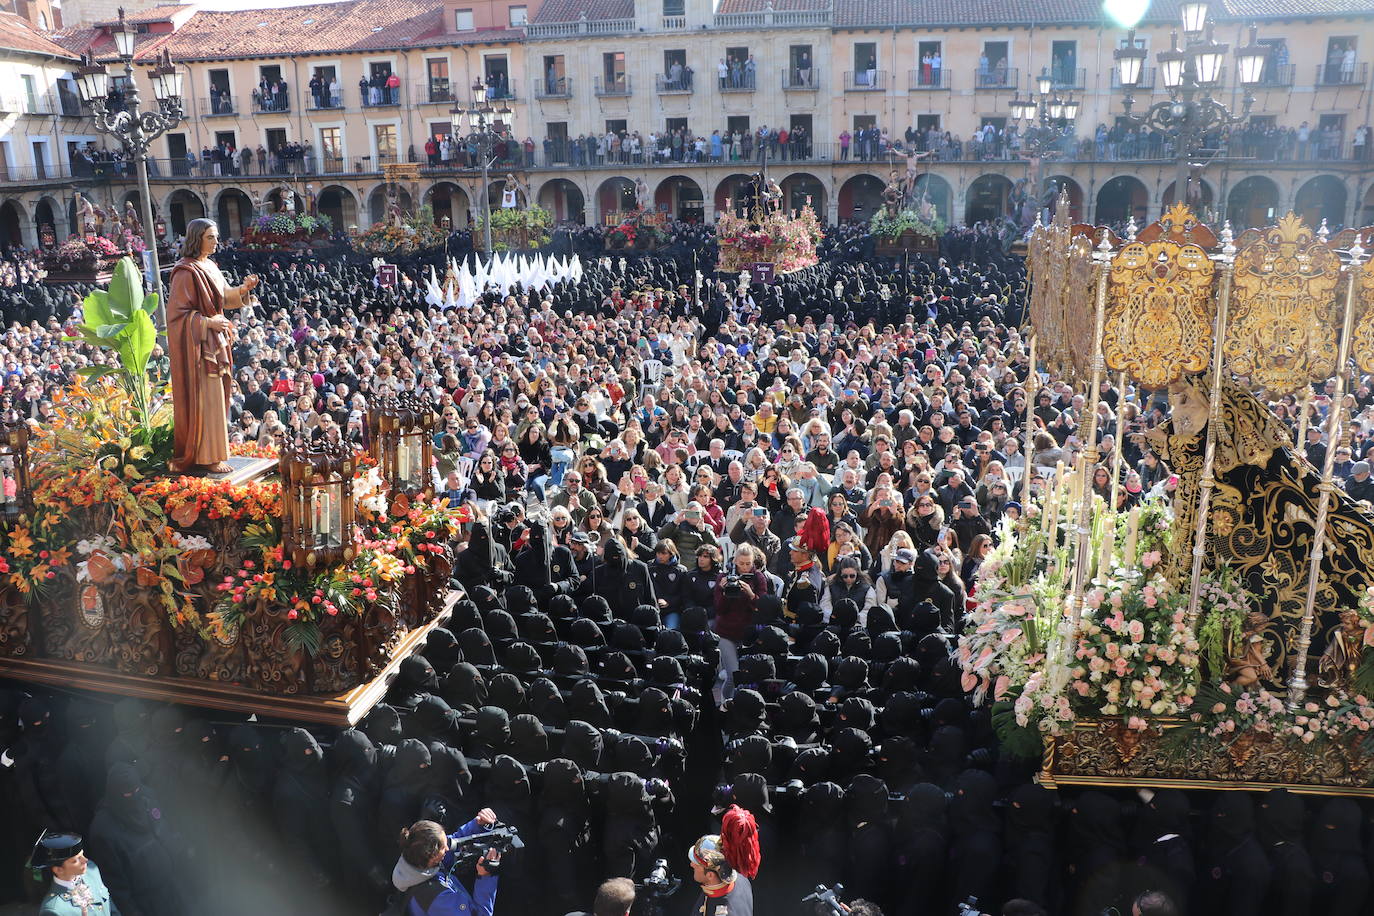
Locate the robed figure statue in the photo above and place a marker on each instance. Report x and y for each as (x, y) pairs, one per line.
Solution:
(198, 342)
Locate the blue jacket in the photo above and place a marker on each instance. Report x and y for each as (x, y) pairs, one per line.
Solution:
(445, 895)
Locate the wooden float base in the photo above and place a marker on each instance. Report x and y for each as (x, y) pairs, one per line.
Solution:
(340, 709)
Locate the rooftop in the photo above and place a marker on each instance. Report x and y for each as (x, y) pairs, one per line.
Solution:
(17, 35)
(573, 10)
(861, 13)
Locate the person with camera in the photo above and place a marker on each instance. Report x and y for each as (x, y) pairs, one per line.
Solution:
(736, 597)
(425, 871)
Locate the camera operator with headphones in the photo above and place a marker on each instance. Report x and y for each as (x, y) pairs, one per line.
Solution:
(424, 872)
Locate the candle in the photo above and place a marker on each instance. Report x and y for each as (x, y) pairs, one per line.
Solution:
(1132, 533)
(403, 458)
(333, 509)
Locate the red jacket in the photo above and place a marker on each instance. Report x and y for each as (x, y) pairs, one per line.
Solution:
(735, 613)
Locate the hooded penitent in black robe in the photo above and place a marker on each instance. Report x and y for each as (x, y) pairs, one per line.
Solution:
(299, 796)
(483, 561)
(1342, 876)
(353, 810)
(922, 848)
(1280, 824)
(139, 863)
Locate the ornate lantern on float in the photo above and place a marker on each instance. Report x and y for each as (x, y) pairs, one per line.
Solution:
(403, 442)
(317, 503)
(14, 469)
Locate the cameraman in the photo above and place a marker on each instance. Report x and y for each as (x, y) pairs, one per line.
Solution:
(424, 872)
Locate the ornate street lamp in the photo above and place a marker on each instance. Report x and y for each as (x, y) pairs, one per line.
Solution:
(1047, 117)
(133, 127)
(1190, 73)
(476, 125)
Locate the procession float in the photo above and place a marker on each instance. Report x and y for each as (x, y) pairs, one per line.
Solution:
(764, 238)
(1218, 636)
(90, 254)
(292, 585)
(908, 222)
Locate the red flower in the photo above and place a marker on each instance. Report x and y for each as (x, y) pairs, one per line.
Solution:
(291, 614)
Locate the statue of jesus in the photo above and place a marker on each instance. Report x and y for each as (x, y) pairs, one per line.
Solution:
(198, 340)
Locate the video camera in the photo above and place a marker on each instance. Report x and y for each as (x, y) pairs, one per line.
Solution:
(828, 897)
(656, 888)
(969, 908)
(659, 882)
(500, 837)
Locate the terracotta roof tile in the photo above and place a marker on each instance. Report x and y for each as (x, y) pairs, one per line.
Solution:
(17, 35)
(154, 14)
(572, 10)
(860, 13)
(354, 25)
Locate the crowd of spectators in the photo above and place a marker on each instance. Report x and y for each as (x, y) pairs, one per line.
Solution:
(723, 542)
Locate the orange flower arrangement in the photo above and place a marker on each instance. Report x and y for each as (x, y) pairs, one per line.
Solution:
(186, 499)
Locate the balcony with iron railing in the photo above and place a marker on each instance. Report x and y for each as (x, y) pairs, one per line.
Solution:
(668, 85)
(325, 101)
(221, 106)
(1257, 155)
(69, 105)
(996, 78)
(271, 104)
(1341, 75)
(619, 87)
(1146, 81)
(742, 81)
(503, 91)
(865, 81)
(801, 79)
(928, 78)
(26, 105)
(1067, 78)
(558, 87)
(1277, 76)
(382, 96)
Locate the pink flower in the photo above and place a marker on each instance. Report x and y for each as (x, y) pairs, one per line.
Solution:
(968, 681)
(1135, 723)
(1001, 686)
(1120, 667)
(1081, 687)
(1150, 559)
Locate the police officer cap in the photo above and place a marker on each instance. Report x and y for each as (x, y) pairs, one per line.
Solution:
(54, 849)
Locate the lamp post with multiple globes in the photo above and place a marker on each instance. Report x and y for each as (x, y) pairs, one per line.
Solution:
(134, 127)
(1191, 74)
(1047, 117)
(477, 126)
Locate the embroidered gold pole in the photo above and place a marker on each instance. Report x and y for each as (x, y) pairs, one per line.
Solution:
(1119, 437)
(1032, 390)
(1227, 263)
(1088, 457)
(1297, 684)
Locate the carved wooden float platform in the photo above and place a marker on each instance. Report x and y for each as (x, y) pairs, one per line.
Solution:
(1105, 753)
(338, 709)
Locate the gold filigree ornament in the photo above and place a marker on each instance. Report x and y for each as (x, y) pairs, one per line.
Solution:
(1080, 289)
(1284, 316)
(1160, 308)
(1362, 340)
